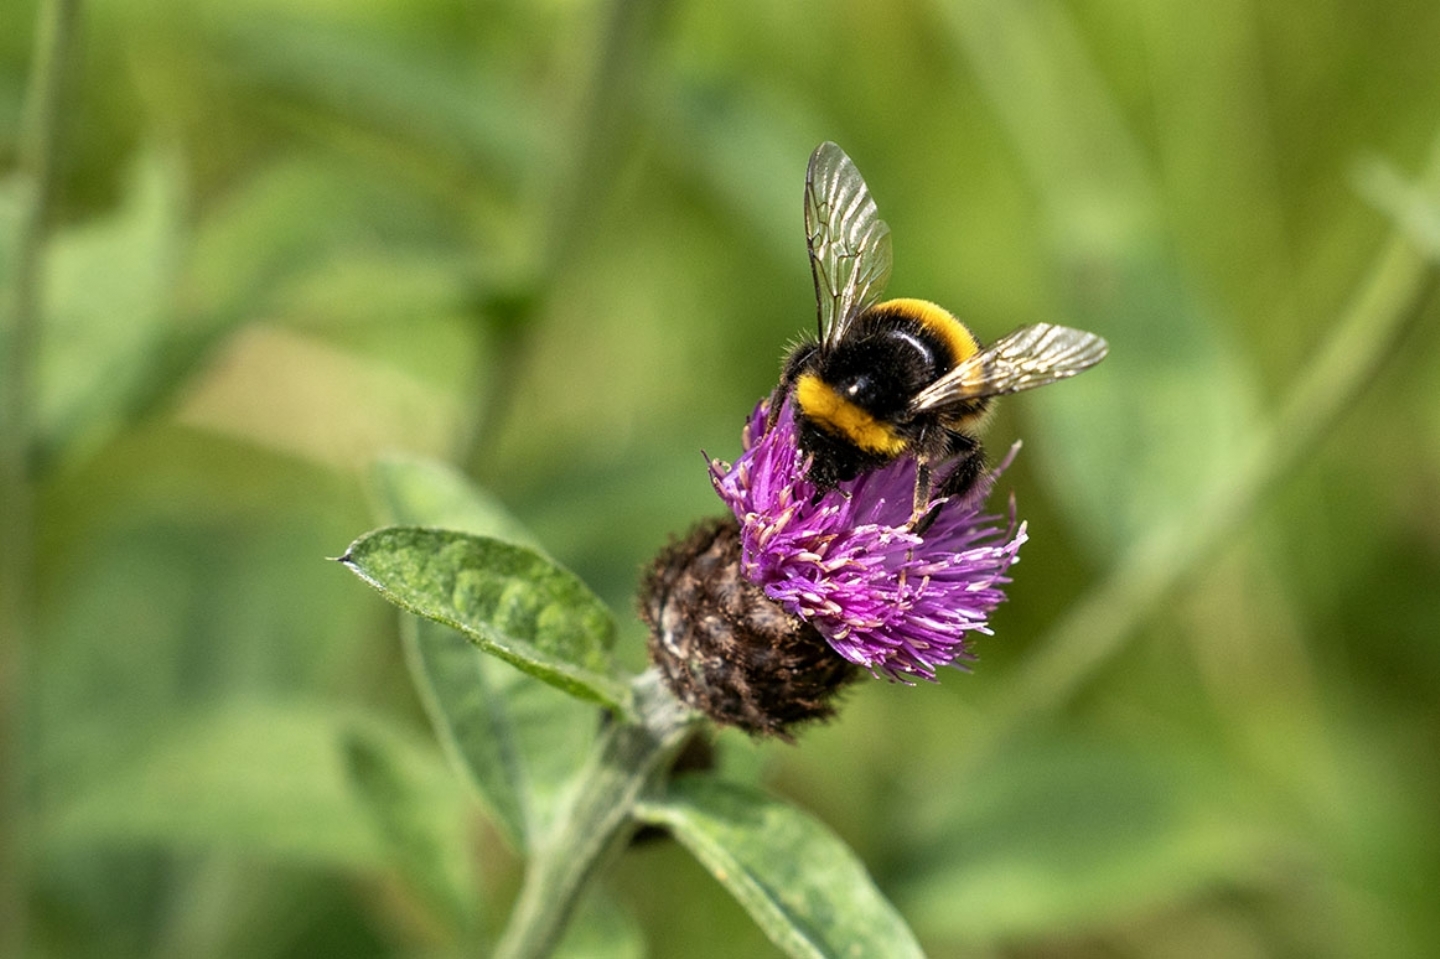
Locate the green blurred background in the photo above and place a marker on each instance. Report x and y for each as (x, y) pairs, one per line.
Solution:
(559, 244)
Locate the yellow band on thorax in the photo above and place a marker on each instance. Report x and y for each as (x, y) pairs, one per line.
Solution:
(822, 405)
(939, 321)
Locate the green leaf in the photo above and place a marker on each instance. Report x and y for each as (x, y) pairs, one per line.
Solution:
(800, 883)
(422, 846)
(511, 735)
(259, 779)
(517, 739)
(471, 719)
(507, 599)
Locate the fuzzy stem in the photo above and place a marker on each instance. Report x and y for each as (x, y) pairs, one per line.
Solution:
(19, 345)
(597, 820)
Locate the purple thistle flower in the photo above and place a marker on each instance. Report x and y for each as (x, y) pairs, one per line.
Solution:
(845, 562)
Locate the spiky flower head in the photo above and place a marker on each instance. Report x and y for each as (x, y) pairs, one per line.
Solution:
(847, 563)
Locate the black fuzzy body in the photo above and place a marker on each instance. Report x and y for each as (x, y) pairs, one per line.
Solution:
(888, 355)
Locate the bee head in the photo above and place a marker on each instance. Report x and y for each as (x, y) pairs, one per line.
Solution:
(858, 388)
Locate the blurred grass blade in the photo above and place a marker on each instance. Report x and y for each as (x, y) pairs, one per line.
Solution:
(1400, 282)
(259, 779)
(799, 881)
(460, 115)
(298, 217)
(1063, 834)
(441, 871)
(1133, 441)
(513, 736)
(510, 601)
(13, 198)
(109, 306)
(747, 145)
(26, 216)
(1413, 209)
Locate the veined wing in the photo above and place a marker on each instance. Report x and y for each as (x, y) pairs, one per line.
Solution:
(849, 243)
(1029, 357)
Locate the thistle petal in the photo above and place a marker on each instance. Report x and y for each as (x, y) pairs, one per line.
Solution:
(846, 562)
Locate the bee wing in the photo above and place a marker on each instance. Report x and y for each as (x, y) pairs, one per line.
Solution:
(849, 243)
(1029, 357)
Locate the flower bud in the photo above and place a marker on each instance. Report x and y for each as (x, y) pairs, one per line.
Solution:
(725, 648)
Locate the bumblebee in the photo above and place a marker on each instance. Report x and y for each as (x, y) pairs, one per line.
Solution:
(902, 377)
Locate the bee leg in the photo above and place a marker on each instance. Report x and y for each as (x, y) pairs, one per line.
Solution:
(969, 467)
(931, 446)
(924, 517)
(922, 489)
(796, 362)
(924, 512)
(955, 487)
(777, 400)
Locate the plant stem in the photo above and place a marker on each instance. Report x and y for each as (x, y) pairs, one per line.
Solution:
(19, 344)
(597, 819)
(1398, 286)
